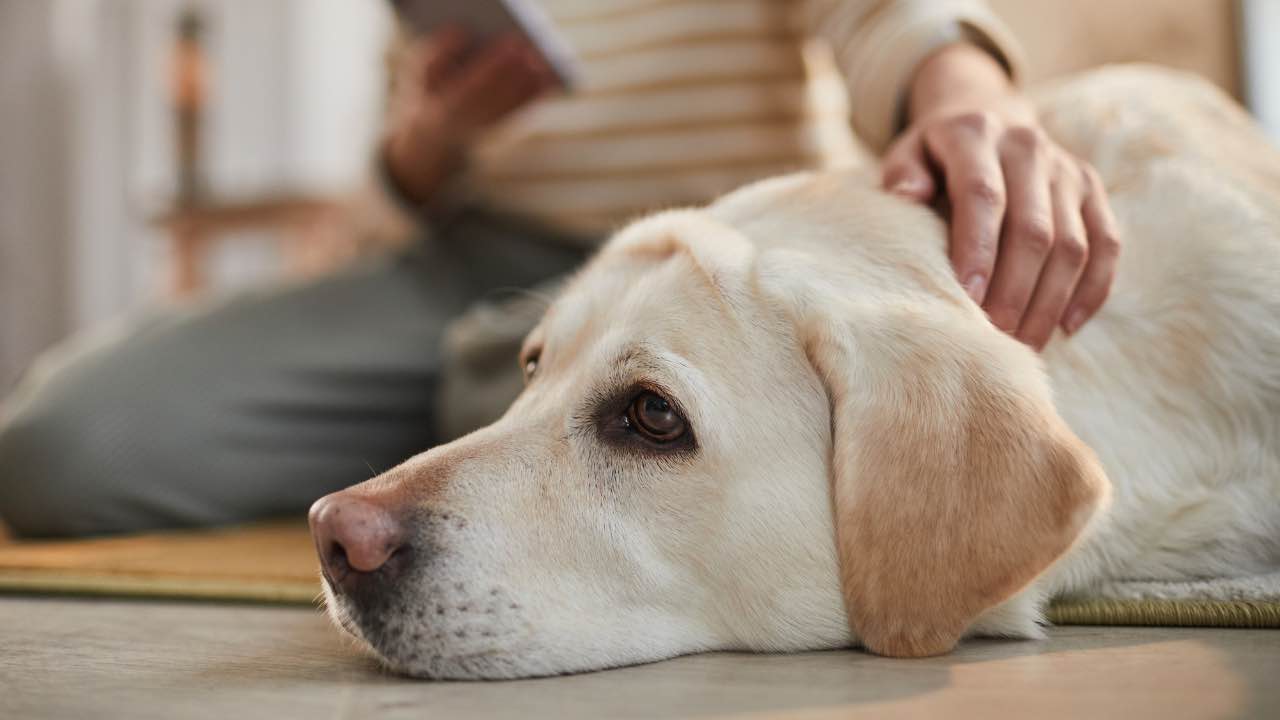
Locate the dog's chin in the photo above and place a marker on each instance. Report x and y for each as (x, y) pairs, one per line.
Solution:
(441, 637)
(407, 646)
(478, 666)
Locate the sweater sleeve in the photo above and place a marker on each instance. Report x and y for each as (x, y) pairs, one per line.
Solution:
(878, 45)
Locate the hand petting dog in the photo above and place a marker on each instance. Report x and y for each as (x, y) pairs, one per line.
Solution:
(1033, 239)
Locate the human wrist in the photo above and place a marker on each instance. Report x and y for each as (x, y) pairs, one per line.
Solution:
(962, 76)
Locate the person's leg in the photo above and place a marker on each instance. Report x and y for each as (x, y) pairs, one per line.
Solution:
(479, 376)
(254, 408)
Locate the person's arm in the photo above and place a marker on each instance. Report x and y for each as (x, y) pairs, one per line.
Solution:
(932, 85)
(1032, 235)
(443, 97)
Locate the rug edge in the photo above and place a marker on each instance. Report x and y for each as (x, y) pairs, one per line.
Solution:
(1167, 613)
(101, 585)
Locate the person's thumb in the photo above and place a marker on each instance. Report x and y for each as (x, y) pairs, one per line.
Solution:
(906, 173)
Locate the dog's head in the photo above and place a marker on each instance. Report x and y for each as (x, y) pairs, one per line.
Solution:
(729, 439)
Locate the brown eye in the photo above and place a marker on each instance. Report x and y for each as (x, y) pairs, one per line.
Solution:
(653, 417)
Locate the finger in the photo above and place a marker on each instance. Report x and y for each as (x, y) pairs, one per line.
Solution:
(1062, 271)
(540, 66)
(441, 55)
(530, 76)
(499, 84)
(516, 91)
(1104, 253)
(975, 186)
(906, 169)
(495, 84)
(1027, 234)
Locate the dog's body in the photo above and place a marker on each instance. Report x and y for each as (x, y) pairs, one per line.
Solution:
(836, 382)
(1176, 384)
(1177, 388)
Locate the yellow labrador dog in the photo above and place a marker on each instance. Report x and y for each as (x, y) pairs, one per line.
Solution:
(778, 423)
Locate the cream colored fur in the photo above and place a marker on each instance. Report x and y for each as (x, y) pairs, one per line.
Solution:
(875, 463)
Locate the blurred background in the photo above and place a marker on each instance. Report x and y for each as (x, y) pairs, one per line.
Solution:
(164, 151)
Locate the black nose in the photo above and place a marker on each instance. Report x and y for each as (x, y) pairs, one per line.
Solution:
(357, 540)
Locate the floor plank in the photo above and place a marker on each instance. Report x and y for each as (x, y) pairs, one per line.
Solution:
(79, 658)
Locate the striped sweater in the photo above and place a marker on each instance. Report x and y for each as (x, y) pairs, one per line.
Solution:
(679, 101)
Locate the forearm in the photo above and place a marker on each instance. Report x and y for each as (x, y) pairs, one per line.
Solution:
(961, 76)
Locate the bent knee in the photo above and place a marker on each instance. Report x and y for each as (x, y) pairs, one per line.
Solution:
(52, 476)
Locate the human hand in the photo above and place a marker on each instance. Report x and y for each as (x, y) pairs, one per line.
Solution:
(444, 96)
(1032, 236)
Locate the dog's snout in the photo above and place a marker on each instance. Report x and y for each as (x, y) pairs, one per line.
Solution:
(356, 538)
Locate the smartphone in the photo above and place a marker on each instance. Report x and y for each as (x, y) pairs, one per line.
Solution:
(488, 18)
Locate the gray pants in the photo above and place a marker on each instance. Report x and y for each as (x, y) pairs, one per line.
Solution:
(258, 406)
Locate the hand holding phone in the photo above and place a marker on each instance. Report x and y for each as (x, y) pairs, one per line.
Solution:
(448, 90)
(485, 20)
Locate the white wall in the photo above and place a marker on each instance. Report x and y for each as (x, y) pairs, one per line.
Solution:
(34, 310)
(296, 92)
(86, 152)
(337, 83)
(94, 49)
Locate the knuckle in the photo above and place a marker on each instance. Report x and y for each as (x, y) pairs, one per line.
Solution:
(972, 121)
(984, 191)
(1068, 179)
(1024, 137)
(1073, 248)
(1036, 234)
(981, 258)
(1107, 245)
(1090, 177)
(974, 254)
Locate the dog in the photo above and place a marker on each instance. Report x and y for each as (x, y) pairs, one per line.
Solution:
(778, 424)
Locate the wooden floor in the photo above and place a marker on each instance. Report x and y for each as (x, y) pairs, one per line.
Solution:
(106, 659)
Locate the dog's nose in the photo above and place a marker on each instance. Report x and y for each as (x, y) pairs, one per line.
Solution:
(355, 537)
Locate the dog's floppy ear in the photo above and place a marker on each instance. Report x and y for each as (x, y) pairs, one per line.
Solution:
(955, 481)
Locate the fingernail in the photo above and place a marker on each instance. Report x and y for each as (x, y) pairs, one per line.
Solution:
(975, 286)
(1075, 319)
(908, 187)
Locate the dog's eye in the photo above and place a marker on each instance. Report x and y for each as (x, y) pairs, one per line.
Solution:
(652, 416)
